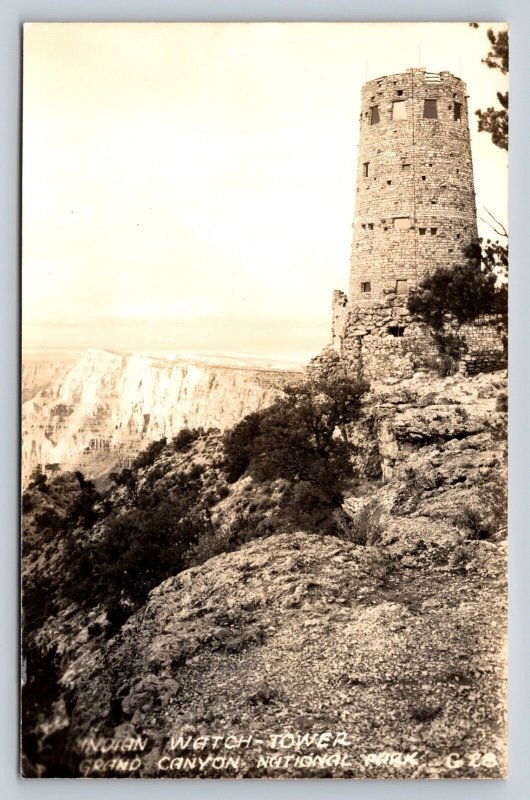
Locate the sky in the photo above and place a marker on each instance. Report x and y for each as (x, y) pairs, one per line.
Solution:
(191, 186)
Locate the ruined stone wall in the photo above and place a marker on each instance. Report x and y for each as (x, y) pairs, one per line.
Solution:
(388, 342)
(415, 203)
(339, 315)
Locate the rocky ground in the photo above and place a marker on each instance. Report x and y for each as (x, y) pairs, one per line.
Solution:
(377, 653)
(302, 634)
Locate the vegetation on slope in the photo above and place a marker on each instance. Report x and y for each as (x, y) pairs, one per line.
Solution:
(92, 560)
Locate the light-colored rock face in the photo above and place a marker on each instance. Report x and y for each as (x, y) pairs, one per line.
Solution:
(104, 409)
(38, 374)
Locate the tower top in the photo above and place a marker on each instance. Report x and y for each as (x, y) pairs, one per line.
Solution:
(420, 73)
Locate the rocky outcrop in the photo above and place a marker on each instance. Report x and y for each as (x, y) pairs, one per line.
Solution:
(388, 638)
(106, 407)
(301, 634)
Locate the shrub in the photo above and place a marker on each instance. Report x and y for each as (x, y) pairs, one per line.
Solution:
(184, 439)
(39, 481)
(464, 291)
(148, 456)
(452, 296)
(296, 440)
(27, 503)
(476, 522)
(128, 479)
(502, 403)
(364, 528)
(49, 521)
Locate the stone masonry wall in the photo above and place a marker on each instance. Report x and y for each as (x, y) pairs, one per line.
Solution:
(415, 202)
(388, 342)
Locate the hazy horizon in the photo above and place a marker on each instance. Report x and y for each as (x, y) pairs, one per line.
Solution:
(191, 186)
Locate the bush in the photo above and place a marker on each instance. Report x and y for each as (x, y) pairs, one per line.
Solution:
(296, 440)
(502, 403)
(184, 439)
(27, 503)
(39, 481)
(148, 456)
(464, 291)
(479, 525)
(49, 521)
(364, 528)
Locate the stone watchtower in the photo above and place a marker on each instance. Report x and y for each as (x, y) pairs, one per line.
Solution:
(415, 202)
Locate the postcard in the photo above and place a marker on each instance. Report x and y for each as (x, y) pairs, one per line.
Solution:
(264, 417)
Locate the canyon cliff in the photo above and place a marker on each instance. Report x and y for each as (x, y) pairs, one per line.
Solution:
(96, 413)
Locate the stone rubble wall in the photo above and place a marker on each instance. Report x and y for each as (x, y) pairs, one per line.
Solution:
(387, 342)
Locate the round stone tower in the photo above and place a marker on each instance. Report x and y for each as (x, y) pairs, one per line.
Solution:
(415, 203)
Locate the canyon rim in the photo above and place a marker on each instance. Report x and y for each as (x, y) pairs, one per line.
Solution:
(264, 520)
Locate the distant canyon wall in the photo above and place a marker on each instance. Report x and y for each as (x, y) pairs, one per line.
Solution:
(99, 412)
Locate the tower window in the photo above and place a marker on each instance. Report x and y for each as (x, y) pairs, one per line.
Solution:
(457, 111)
(422, 231)
(366, 287)
(374, 115)
(370, 226)
(400, 92)
(389, 183)
(402, 223)
(401, 286)
(424, 177)
(396, 330)
(366, 166)
(399, 110)
(434, 231)
(430, 110)
(405, 167)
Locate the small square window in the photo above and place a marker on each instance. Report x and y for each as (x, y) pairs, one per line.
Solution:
(405, 167)
(430, 110)
(401, 286)
(395, 330)
(424, 177)
(400, 92)
(374, 115)
(366, 286)
(457, 111)
(370, 226)
(399, 110)
(389, 183)
(402, 223)
(434, 231)
(366, 166)
(422, 231)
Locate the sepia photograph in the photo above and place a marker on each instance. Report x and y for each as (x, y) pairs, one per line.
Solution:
(264, 392)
